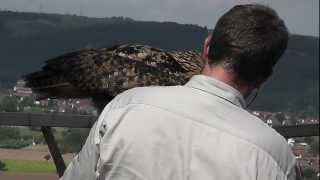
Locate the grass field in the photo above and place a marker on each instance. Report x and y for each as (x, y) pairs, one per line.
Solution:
(29, 166)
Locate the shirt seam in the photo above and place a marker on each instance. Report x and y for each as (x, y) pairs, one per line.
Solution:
(221, 97)
(244, 140)
(213, 82)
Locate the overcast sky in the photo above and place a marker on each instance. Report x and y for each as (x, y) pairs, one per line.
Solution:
(301, 16)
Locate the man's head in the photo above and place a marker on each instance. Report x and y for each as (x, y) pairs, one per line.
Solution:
(247, 42)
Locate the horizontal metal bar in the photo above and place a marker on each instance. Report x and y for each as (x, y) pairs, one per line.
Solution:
(46, 119)
(298, 130)
(85, 121)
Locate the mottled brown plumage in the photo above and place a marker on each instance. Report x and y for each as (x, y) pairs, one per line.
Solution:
(105, 72)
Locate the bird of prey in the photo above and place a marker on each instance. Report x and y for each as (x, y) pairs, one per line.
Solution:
(102, 73)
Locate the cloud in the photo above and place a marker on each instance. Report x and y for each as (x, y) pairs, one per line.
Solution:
(300, 16)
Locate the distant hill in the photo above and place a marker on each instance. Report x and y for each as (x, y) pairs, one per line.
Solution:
(27, 39)
(294, 85)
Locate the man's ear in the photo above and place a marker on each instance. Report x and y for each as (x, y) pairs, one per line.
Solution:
(206, 46)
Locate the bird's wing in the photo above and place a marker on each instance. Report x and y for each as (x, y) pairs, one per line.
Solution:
(106, 71)
(113, 70)
(52, 81)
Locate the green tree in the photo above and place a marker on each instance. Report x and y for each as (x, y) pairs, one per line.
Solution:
(2, 166)
(11, 138)
(73, 140)
(26, 101)
(310, 174)
(9, 133)
(9, 104)
(314, 146)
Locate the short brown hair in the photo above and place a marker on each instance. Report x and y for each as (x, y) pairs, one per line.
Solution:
(249, 40)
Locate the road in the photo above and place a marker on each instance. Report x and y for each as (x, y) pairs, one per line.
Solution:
(27, 176)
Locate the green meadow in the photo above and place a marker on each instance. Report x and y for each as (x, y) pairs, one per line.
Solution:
(28, 166)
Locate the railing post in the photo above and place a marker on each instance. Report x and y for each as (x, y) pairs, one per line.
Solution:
(54, 151)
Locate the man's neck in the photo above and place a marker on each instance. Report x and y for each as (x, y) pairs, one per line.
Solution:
(221, 74)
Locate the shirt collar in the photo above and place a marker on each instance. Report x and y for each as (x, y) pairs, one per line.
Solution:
(217, 88)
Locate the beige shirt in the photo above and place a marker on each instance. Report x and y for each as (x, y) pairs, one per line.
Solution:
(199, 131)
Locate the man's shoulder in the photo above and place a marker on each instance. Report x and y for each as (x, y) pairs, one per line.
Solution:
(150, 91)
(268, 140)
(148, 95)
